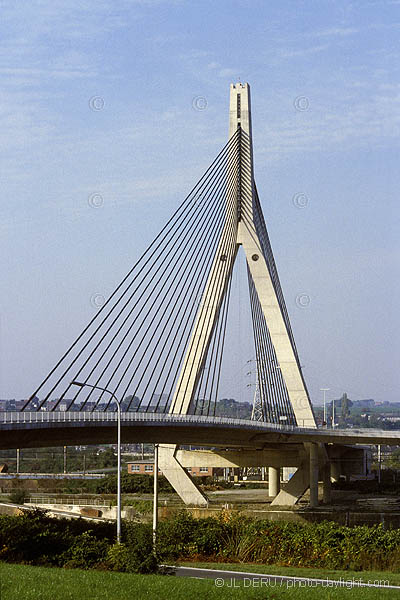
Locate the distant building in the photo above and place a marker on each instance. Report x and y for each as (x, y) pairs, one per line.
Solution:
(367, 403)
(146, 467)
(141, 467)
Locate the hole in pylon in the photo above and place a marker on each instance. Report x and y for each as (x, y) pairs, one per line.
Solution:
(255, 257)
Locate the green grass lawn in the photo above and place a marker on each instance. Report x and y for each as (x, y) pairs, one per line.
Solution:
(20, 582)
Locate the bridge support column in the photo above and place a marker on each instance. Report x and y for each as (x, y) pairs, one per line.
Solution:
(327, 491)
(178, 477)
(313, 474)
(335, 469)
(273, 481)
(295, 487)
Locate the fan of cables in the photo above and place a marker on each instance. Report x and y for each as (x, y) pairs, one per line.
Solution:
(134, 347)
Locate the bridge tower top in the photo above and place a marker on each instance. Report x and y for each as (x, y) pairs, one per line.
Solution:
(239, 108)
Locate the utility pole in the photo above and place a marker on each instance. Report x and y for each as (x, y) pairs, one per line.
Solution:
(325, 390)
(379, 463)
(18, 456)
(65, 459)
(155, 499)
(257, 413)
(118, 402)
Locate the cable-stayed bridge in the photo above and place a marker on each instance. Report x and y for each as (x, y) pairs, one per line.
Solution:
(156, 347)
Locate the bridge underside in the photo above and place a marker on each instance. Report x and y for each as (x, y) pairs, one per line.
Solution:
(317, 454)
(90, 434)
(236, 448)
(197, 433)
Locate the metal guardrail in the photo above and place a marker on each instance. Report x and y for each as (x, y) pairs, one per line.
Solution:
(19, 417)
(25, 417)
(50, 476)
(47, 500)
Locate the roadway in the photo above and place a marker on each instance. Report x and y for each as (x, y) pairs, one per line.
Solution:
(40, 429)
(242, 579)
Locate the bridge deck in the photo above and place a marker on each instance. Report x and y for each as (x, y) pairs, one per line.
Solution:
(39, 429)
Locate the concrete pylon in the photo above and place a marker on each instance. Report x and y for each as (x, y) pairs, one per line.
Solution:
(326, 478)
(274, 482)
(295, 487)
(178, 477)
(307, 475)
(313, 475)
(335, 469)
(245, 218)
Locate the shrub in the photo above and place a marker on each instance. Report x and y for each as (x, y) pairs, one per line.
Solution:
(31, 538)
(132, 484)
(35, 538)
(176, 536)
(121, 558)
(143, 507)
(86, 552)
(236, 538)
(138, 539)
(18, 497)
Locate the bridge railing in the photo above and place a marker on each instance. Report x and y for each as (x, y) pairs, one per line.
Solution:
(48, 500)
(34, 417)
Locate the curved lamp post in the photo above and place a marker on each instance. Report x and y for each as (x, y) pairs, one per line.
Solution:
(96, 387)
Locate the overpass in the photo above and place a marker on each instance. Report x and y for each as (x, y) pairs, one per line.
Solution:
(316, 453)
(40, 429)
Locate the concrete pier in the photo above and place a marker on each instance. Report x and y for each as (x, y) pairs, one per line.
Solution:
(274, 483)
(313, 475)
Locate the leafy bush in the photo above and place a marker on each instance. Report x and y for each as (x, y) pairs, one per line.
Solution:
(86, 552)
(36, 538)
(143, 507)
(30, 538)
(236, 538)
(132, 484)
(176, 536)
(138, 538)
(18, 497)
(121, 558)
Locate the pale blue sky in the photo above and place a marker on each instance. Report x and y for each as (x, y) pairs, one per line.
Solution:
(147, 60)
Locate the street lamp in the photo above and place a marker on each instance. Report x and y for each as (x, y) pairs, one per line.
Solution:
(96, 387)
(325, 390)
(155, 501)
